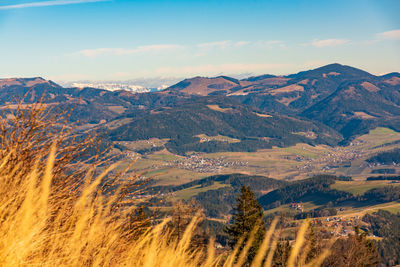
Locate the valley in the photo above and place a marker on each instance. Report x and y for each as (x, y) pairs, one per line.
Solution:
(289, 163)
(335, 120)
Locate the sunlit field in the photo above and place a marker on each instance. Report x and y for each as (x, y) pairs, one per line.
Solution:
(53, 216)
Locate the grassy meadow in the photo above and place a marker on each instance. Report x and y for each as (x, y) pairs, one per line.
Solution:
(56, 210)
(360, 187)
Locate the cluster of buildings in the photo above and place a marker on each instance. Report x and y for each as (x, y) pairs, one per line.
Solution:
(377, 164)
(199, 164)
(341, 155)
(339, 225)
(220, 138)
(335, 159)
(297, 206)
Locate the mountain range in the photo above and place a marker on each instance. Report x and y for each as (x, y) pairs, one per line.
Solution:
(328, 105)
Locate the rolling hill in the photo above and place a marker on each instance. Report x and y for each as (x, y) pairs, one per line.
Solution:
(325, 104)
(347, 99)
(214, 116)
(356, 107)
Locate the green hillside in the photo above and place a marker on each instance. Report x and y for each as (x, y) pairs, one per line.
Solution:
(221, 116)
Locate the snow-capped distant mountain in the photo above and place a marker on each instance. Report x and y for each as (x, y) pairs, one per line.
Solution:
(135, 85)
(116, 87)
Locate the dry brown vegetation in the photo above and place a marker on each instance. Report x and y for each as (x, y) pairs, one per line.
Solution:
(56, 210)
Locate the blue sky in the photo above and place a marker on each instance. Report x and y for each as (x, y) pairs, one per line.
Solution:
(121, 39)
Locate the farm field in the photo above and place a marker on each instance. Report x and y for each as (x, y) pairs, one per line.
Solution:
(348, 209)
(393, 207)
(289, 163)
(310, 205)
(360, 187)
(187, 193)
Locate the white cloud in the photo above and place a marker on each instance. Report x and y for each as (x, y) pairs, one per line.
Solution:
(390, 35)
(50, 3)
(219, 44)
(204, 48)
(383, 36)
(329, 42)
(97, 51)
(223, 44)
(124, 51)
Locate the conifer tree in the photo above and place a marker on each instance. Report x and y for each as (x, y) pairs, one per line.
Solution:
(248, 214)
(281, 255)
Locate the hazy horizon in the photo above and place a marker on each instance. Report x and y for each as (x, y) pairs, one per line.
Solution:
(169, 80)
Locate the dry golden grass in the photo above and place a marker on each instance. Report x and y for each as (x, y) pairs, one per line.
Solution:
(287, 89)
(218, 108)
(51, 216)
